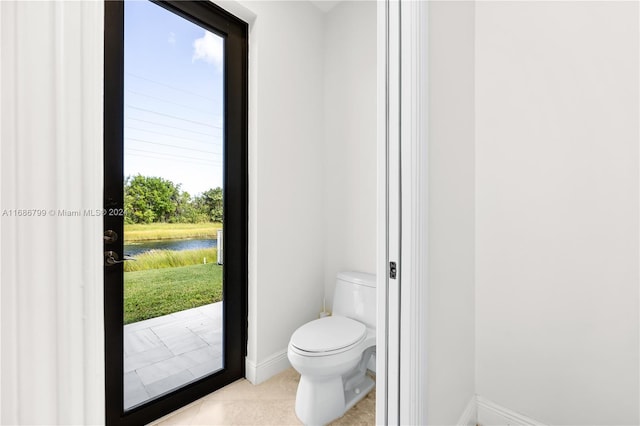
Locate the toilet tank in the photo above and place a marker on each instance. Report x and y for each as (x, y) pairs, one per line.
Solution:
(355, 297)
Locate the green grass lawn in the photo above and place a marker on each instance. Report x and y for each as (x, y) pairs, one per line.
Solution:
(158, 259)
(155, 292)
(169, 231)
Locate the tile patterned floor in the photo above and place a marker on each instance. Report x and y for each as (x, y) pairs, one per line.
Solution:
(269, 403)
(163, 353)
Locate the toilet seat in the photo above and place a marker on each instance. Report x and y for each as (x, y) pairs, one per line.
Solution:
(328, 336)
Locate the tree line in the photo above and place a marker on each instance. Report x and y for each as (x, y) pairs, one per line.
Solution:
(150, 199)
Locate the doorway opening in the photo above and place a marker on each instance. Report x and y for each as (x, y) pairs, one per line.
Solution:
(175, 154)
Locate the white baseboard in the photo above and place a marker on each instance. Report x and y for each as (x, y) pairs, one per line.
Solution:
(469, 415)
(492, 414)
(262, 371)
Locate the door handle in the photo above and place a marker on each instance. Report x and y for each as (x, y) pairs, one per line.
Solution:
(111, 258)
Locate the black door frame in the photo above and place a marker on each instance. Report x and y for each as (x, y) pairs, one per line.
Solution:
(235, 272)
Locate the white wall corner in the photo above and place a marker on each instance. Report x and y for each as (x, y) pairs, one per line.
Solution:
(257, 373)
(490, 413)
(238, 9)
(469, 416)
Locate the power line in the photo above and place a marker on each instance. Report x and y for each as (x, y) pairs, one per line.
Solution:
(169, 86)
(174, 117)
(169, 126)
(176, 155)
(164, 100)
(196, 163)
(166, 134)
(174, 146)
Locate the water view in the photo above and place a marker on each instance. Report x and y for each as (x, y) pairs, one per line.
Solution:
(133, 249)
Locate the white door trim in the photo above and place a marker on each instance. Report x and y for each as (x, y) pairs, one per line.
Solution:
(414, 206)
(403, 147)
(387, 353)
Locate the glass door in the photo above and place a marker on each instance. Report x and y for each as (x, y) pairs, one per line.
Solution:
(175, 186)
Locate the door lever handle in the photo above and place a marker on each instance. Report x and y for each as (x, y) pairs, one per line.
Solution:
(111, 258)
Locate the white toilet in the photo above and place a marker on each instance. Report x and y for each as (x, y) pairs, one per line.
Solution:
(331, 354)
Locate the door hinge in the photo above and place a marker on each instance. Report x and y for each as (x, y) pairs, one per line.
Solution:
(392, 270)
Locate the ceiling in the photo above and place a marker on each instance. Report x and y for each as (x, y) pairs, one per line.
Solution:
(325, 5)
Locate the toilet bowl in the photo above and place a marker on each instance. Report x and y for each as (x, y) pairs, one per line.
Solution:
(331, 354)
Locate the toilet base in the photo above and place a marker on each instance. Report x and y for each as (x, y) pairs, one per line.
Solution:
(360, 390)
(319, 401)
(322, 401)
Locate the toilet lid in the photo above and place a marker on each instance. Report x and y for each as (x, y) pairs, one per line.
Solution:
(328, 334)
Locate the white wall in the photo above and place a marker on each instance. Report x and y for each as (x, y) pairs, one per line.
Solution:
(51, 307)
(313, 164)
(349, 141)
(557, 209)
(286, 178)
(450, 310)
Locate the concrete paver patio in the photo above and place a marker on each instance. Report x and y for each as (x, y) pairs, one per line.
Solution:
(163, 353)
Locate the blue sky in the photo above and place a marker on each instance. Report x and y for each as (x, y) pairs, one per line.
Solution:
(173, 110)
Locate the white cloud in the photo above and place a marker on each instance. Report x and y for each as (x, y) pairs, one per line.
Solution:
(172, 38)
(209, 48)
